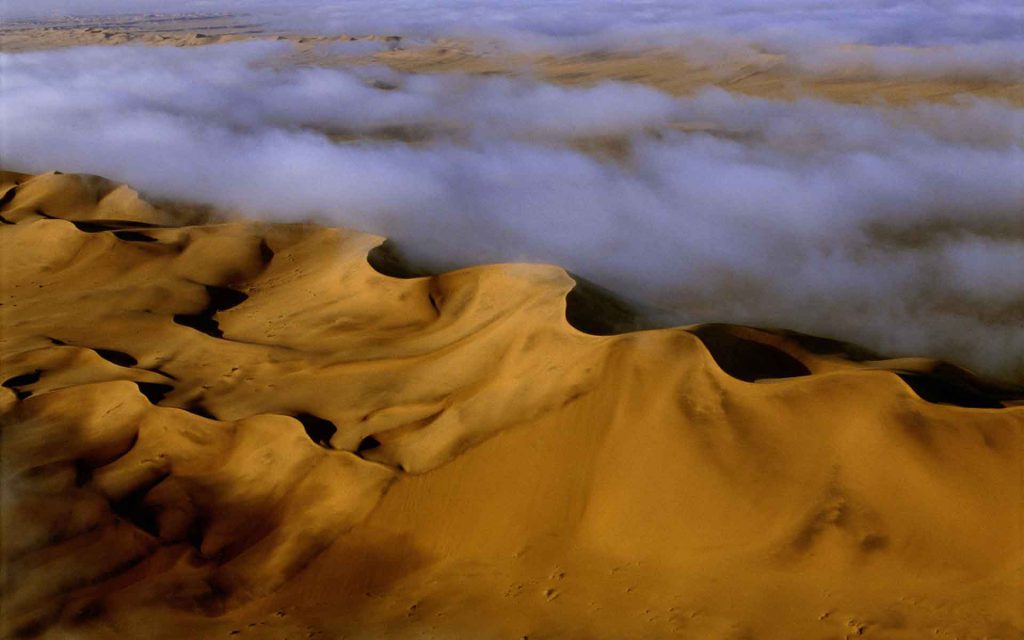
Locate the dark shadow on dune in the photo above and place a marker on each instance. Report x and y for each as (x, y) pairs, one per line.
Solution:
(120, 358)
(200, 322)
(160, 371)
(369, 443)
(386, 259)
(86, 613)
(224, 298)
(8, 196)
(32, 629)
(99, 226)
(219, 299)
(22, 380)
(199, 409)
(595, 310)
(133, 507)
(746, 359)
(992, 388)
(133, 236)
(266, 253)
(83, 473)
(942, 386)
(319, 430)
(16, 383)
(154, 391)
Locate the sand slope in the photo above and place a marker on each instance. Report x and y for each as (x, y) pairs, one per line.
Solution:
(245, 429)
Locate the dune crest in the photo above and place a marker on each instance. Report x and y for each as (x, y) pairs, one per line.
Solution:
(245, 428)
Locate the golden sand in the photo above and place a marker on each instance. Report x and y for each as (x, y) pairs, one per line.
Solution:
(237, 429)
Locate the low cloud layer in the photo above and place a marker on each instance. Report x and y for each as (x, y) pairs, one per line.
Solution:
(905, 22)
(896, 228)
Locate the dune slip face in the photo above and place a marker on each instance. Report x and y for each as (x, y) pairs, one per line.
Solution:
(227, 428)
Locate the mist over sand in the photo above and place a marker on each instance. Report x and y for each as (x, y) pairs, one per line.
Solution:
(480, 319)
(894, 227)
(877, 22)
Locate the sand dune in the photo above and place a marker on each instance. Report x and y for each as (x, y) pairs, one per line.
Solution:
(217, 427)
(680, 70)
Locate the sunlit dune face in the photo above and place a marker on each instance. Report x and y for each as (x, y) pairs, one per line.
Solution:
(208, 422)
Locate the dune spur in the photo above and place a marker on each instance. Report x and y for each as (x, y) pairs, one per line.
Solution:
(226, 428)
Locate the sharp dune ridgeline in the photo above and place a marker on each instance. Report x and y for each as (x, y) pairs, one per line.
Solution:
(215, 427)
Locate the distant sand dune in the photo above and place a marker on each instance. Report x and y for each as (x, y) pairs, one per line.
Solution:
(226, 427)
(681, 70)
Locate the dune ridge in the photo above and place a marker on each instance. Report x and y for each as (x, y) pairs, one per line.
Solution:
(223, 427)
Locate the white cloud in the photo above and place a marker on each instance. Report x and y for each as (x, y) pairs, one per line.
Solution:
(909, 22)
(896, 228)
(998, 59)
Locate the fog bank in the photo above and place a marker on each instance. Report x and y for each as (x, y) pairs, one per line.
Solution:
(896, 228)
(904, 22)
